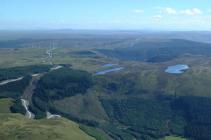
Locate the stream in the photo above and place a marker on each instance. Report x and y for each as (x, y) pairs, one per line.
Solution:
(25, 104)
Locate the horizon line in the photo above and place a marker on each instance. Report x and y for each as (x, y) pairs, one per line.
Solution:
(110, 30)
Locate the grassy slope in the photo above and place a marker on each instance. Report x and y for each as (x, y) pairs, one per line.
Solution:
(17, 127)
(152, 78)
(173, 138)
(193, 82)
(98, 134)
(82, 106)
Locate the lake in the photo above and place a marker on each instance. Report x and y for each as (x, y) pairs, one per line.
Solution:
(109, 65)
(177, 69)
(109, 71)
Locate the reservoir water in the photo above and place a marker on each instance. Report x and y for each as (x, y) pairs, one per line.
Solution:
(177, 69)
(109, 71)
(109, 65)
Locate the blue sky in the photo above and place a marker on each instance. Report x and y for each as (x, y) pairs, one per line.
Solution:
(106, 14)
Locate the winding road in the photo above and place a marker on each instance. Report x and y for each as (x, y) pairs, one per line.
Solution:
(29, 91)
(49, 53)
(10, 81)
(27, 95)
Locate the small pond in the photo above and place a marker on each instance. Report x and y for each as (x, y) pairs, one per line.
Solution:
(177, 69)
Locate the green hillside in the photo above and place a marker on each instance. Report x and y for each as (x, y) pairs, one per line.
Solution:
(173, 138)
(17, 127)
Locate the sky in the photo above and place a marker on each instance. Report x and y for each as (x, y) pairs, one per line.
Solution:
(106, 14)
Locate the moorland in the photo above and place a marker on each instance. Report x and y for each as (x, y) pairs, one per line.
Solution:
(56, 72)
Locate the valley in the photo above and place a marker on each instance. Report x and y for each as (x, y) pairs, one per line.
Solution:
(107, 87)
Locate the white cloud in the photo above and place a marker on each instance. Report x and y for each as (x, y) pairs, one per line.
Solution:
(191, 12)
(157, 17)
(172, 11)
(166, 10)
(137, 11)
(209, 10)
(169, 11)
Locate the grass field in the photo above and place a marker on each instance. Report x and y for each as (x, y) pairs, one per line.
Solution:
(99, 135)
(174, 138)
(17, 127)
(21, 57)
(33, 56)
